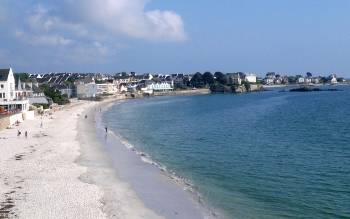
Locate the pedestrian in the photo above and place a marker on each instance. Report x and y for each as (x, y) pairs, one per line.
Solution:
(41, 124)
(106, 129)
(19, 133)
(85, 116)
(26, 134)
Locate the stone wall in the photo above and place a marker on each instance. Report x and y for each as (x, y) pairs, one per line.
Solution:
(28, 115)
(16, 117)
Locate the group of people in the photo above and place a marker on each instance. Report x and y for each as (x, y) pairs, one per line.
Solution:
(19, 133)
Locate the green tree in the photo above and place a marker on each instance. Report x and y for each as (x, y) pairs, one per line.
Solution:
(340, 80)
(208, 78)
(23, 76)
(55, 95)
(221, 78)
(323, 80)
(197, 80)
(70, 80)
(246, 84)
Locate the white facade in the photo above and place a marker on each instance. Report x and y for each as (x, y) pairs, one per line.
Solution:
(333, 79)
(251, 78)
(86, 90)
(122, 81)
(269, 81)
(158, 87)
(308, 80)
(301, 80)
(123, 88)
(11, 100)
(107, 88)
(7, 87)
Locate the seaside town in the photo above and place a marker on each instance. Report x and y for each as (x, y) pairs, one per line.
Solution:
(145, 109)
(20, 93)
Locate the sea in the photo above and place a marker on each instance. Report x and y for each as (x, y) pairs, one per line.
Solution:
(272, 154)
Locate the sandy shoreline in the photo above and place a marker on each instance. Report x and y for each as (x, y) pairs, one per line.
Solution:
(158, 189)
(119, 200)
(62, 170)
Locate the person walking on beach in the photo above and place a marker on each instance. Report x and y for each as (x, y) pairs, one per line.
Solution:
(106, 129)
(26, 134)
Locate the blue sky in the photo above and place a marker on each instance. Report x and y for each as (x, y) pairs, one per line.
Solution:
(168, 36)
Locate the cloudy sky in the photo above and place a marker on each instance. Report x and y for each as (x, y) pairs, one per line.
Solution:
(166, 36)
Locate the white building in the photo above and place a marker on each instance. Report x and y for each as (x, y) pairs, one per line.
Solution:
(122, 80)
(88, 90)
(269, 81)
(308, 80)
(333, 79)
(108, 88)
(301, 80)
(7, 84)
(251, 78)
(123, 88)
(11, 100)
(160, 87)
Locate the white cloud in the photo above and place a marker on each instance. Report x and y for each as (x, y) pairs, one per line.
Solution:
(107, 17)
(52, 40)
(129, 17)
(97, 52)
(42, 39)
(41, 20)
(86, 30)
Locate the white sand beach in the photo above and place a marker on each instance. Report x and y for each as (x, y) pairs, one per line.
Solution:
(43, 175)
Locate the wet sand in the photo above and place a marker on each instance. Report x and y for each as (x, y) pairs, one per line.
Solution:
(155, 189)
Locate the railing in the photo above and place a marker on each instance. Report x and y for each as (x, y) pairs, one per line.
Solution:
(16, 99)
(9, 112)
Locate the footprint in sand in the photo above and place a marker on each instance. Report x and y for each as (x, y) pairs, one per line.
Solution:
(6, 208)
(19, 156)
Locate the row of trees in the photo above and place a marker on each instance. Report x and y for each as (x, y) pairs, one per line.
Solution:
(208, 79)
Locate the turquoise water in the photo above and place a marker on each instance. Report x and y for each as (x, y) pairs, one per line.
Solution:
(259, 155)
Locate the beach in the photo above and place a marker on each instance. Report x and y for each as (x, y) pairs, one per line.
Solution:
(40, 178)
(61, 170)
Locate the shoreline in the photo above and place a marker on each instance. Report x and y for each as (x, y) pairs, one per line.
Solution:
(118, 199)
(158, 190)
